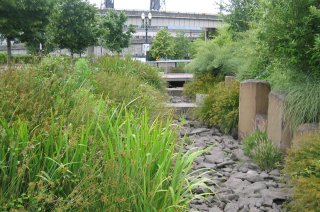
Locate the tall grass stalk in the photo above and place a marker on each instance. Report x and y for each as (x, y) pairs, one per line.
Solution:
(302, 104)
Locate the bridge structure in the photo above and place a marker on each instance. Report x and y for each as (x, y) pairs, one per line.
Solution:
(192, 24)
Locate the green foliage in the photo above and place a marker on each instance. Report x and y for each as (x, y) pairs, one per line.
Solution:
(112, 35)
(23, 20)
(227, 56)
(202, 84)
(289, 33)
(68, 145)
(302, 104)
(148, 74)
(240, 14)
(221, 107)
(73, 25)
(303, 166)
(261, 150)
(3, 58)
(163, 45)
(181, 46)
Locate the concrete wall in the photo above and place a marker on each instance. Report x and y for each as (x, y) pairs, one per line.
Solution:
(253, 101)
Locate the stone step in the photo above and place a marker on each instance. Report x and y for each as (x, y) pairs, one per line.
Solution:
(183, 108)
(175, 91)
(177, 77)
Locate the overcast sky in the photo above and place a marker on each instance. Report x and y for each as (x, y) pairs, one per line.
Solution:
(196, 6)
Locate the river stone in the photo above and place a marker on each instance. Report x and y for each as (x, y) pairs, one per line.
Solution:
(275, 172)
(253, 176)
(216, 156)
(236, 184)
(231, 207)
(215, 209)
(254, 188)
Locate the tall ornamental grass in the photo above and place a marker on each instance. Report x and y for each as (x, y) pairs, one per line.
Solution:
(119, 163)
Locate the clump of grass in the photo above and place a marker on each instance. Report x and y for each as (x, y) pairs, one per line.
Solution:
(202, 84)
(302, 104)
(302, 164)
(261, 150)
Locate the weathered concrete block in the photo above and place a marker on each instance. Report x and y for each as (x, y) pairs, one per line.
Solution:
(278, 131)
(302, 131)
(200, 98)
(253, 101)
(228, 80)
(261, 122)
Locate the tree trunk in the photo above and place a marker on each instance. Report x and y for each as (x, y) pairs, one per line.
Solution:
(71, 54)
(9, 56)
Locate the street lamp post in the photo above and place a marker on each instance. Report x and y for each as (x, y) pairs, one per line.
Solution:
(146, 23)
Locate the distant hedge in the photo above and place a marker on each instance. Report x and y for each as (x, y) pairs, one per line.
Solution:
(22, 58)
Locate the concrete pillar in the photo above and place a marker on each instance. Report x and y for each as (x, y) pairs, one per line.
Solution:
(253, 101)
(228, 80)
(278, 131)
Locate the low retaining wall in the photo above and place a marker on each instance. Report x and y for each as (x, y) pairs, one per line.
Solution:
(263, 110)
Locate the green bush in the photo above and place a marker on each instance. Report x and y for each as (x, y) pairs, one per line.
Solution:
(302, 164)
(3, 58)
(201, 84)
(221, 107)
(23, 58)
(261, 150)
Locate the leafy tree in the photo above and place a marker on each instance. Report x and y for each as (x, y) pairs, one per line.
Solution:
(112, 35)
(241, 13)
(22, 19)
(289, 33)
(73, 25)
(163, 45)
(181, 46)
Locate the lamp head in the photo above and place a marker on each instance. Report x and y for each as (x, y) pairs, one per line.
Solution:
(143, 16)
(149, 16)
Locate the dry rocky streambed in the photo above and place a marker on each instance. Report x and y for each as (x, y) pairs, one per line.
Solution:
(237, 182)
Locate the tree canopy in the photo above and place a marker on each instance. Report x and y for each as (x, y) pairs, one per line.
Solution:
(113, 36)
(73, 25)
(23, 19)
(163, 45)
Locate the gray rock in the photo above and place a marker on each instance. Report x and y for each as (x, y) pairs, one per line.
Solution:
(226, 163)
(215, 209)
(236, 184)
(229, 197)
(254, 188)
(216, 156)
(231, 207)
(264, 175)
(275, 172)
(237, 154)
(198, 131)
(253, 176)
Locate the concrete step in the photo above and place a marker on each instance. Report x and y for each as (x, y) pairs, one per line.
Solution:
(177, 77)
(175, 91)
(186, 109)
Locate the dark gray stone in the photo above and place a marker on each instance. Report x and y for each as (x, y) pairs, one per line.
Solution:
(231, 207)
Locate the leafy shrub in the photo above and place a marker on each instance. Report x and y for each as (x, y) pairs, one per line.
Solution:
(261, 150)
(23, 58)
(3, 58)
(302, 164)
(201, 84)
(221, 107)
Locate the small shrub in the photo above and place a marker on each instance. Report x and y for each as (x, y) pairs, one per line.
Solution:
(221, 107)
(3, 58)
(201, 84)
(302, 164)
(23, 58)
(261, 150)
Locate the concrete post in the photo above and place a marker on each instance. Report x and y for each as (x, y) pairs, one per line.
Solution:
(253, 101)
(278, 131)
